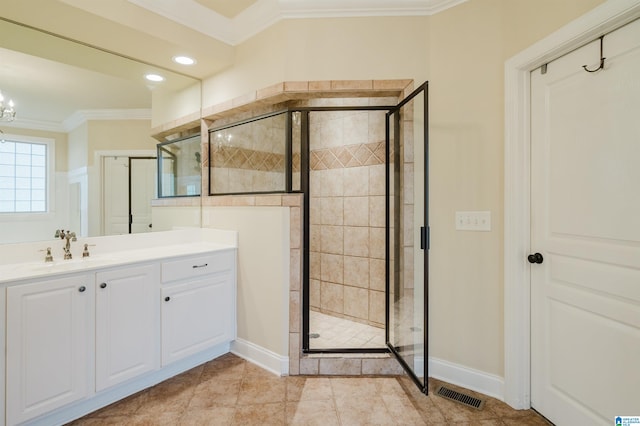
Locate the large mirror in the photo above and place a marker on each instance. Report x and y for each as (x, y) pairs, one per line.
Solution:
(93, 113)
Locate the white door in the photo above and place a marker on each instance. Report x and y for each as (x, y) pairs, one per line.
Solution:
(585, 222)
(143, 190)
(49, 329)
(116, 195)
(127, 324)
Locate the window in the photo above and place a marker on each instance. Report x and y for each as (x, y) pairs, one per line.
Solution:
(23, 175)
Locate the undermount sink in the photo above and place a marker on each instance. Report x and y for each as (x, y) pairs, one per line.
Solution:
(71, 264)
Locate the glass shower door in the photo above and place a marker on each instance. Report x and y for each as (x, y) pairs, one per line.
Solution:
(406, 267)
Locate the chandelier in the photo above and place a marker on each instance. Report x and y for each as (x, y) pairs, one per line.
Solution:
(7, 111)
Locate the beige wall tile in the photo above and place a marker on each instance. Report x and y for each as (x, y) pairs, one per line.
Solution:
(270, 91)
(314, 265)
(391, 85)
(356, 241)
(408, 267)
(295, 233)
(377, 279)
(332, 268)
(294, 354)
(356, 128)
(377, 243)
(332, 297)
(315, 183)
(314, 237)
(332, 239)
(309, 366)
(295, 311)
(340, 366)
(268, 200)
(356, 303)
(315, 216)
(377, 179)
(295, 269)
(377, 126)
(314, 293)
(292, 200)
(409, 230)
(332, 183)
(377, 211)
(331, 211)
(356, 181)
(381, 366)
(356, 271)
(356, 211)
(408, 184)
(376, 306)
(319, 85)
(296, 86)
(352, 84)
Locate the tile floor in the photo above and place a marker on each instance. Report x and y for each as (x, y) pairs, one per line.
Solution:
(339, 333)
(232, 391)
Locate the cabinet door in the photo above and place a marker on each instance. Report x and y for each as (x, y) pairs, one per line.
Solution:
(196, 315)
(49, 327)
(127, 324)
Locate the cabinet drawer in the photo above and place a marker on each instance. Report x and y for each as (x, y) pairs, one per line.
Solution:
(196, 266)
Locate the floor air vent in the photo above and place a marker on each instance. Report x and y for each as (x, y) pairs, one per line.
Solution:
(461, 398)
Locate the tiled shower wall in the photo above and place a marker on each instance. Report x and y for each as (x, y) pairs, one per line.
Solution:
(249, 157)
(347, 213)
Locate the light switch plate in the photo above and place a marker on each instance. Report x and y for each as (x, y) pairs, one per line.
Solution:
(473, 221)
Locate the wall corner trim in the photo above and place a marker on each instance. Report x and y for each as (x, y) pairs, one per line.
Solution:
(270, 361)
(469, 378)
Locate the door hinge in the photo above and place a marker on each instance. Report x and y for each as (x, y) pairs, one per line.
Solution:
(425, 243)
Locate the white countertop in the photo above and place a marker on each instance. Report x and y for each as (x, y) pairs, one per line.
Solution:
(113, 254)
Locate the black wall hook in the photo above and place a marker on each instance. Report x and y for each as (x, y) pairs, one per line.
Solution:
(602, 58)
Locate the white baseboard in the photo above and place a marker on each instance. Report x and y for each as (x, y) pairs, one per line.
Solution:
(475, 380)
(260, 356)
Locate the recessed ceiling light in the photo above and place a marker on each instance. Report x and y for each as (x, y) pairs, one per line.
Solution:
(154, 77)
(184, 60)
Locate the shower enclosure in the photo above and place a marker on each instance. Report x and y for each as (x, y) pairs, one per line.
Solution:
(364, 282)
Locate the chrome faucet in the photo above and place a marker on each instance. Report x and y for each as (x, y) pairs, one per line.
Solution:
(69, 236)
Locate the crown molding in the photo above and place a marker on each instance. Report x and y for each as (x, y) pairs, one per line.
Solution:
(82, 116)
(264, 13)
(46, 126)
(78, 118)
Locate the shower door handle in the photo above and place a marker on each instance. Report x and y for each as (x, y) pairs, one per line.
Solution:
(424, 238)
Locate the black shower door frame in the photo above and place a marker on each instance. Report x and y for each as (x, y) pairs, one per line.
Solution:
(393, 112)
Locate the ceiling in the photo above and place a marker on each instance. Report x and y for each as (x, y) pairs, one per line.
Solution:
(152, 32)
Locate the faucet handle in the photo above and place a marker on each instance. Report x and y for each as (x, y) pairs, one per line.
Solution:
(73, 236)
(58, 231)
(48, 257)
(85, 252)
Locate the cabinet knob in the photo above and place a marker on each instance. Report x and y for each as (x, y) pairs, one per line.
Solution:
(166, 299)
(103, 285)
(82, 289)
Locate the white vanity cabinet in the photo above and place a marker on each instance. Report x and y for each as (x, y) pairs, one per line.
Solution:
(198, 304)
(77, 341)
(127, 323)
(49, 333)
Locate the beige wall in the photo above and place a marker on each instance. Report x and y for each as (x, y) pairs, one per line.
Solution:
(470, 45)
(461, 51)
(78, 146)
(263, 271)
(106, 135)
(61, 144)
(325, 49)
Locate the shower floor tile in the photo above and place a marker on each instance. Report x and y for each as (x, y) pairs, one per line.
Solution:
(341, 333)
